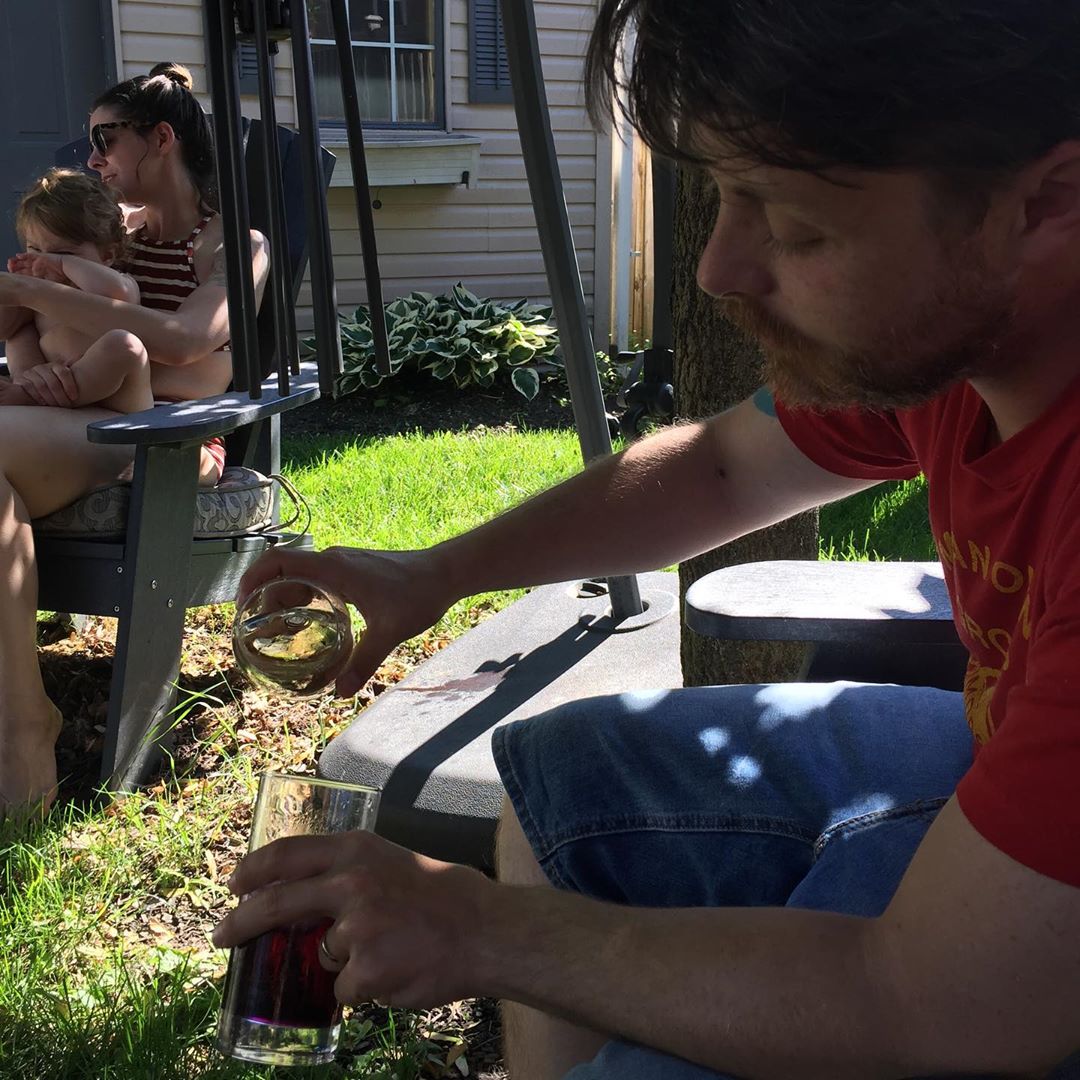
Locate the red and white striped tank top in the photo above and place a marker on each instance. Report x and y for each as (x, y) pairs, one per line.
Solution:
(164, 269)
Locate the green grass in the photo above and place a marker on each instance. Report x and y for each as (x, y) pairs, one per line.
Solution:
(87, 992)
(414, 490)
(887, 522)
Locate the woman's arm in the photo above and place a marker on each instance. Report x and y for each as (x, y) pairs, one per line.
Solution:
(12, 319)
(23, 350)
(197, 328)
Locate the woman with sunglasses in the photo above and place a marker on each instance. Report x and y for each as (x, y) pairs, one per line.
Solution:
(151, 143)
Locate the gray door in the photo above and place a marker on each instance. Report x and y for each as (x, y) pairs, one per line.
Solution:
(56, 56)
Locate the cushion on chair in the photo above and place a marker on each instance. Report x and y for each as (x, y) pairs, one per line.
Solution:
(241, 502)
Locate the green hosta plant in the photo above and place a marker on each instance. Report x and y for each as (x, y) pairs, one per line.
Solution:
(455, 337)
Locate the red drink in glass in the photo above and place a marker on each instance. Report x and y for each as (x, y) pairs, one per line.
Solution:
(277, 979)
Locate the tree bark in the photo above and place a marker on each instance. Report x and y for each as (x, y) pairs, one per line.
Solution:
(716, 367)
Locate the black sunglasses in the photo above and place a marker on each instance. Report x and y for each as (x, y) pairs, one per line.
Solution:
(98, 139)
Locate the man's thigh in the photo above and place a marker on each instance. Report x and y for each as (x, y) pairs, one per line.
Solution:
(734, 793)
(815, 795)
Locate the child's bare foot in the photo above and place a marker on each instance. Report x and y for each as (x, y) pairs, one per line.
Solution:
(28, 763)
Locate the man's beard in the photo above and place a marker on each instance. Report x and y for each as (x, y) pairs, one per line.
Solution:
(957, 333)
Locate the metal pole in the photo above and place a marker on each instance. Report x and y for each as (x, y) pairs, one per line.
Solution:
(323, 292)
(232, 189)
(560, 262)
(280, 291)
(361, 188)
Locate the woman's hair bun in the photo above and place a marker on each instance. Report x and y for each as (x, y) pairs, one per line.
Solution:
(176, 73)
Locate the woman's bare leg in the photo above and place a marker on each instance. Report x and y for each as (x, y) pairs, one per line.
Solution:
(45, 463)
(537, 1046)
(29, 722)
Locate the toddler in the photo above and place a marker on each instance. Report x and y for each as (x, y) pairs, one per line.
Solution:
(72, 230)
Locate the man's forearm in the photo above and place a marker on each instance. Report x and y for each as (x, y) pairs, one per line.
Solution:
(674, 495)
(757, 992)
(650, 506)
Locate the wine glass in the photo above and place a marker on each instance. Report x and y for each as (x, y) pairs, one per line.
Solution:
(293, 635)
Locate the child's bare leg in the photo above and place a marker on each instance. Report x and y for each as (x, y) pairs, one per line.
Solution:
(115, 374)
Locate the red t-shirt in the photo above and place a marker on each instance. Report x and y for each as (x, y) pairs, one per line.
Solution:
(1006, 521)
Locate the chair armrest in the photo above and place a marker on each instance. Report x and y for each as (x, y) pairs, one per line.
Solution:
(197, 421)
(858, 602)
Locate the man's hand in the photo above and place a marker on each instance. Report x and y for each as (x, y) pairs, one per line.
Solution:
(399, 593)
(50, 384)
(404, 926)
(36, 264)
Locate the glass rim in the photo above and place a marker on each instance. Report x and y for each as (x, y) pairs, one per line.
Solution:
(344, 785)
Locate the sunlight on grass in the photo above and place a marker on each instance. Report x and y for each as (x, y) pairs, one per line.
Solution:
(409, 491)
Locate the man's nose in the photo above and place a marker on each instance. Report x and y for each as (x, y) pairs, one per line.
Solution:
(732, 262)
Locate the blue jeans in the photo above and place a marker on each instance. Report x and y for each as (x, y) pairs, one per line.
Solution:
(805, 795)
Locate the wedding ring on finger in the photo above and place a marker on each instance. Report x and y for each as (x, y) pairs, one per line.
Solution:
(327, 958)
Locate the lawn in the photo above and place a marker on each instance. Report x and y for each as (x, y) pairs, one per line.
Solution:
(106, 972)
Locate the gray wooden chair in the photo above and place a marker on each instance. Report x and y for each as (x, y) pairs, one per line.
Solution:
(867, 621)
(148, 576)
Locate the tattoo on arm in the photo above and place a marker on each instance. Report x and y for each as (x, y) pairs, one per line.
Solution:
(763, 399)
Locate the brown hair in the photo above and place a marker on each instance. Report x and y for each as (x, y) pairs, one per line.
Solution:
(165, 96)
(75, 207)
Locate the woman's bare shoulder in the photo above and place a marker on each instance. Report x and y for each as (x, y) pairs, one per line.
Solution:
(209, 251)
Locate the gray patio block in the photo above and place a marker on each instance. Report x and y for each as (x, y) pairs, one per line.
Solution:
(426, 741)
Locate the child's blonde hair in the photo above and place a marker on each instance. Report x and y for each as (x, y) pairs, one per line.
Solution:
(73, 206)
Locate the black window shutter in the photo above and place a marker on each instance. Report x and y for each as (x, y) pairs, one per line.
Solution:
(489, 68)
(247, 64)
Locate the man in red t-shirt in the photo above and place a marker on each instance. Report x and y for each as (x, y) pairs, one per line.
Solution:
(790, 881)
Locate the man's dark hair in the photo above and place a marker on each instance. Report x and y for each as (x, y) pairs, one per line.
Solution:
(969, 89)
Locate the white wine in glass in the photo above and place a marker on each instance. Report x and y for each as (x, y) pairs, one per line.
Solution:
(293, 635)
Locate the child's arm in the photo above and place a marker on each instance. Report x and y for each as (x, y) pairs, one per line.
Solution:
(101, 280)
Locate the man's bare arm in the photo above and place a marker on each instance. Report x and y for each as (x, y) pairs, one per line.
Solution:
(973, 969)
(681, 492)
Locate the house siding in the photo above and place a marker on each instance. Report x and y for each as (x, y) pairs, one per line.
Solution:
(431, 236)
(152, 31)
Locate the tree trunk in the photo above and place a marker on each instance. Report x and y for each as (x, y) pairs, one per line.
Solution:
(717, 367)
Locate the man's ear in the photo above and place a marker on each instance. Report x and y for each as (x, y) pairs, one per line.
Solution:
(1049, 220)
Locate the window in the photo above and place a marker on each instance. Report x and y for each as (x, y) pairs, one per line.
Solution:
(397, 48)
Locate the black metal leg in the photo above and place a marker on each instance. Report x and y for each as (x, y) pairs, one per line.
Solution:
(560, 261)
(151, 614)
